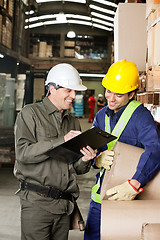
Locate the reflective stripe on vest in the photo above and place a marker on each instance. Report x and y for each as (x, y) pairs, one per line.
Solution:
(117, 131)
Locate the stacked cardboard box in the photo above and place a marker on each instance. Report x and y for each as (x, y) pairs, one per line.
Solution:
(153, 46)
(35, 50)
(10, 8)
(49, 51)
(69, 50)
(153, 80)
(149, 98)
(6, 31)
(42, 50)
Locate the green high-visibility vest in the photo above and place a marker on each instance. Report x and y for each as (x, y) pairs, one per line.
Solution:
(117, 131)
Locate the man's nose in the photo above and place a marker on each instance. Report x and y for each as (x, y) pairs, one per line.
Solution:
(73, 93)
(112, 97)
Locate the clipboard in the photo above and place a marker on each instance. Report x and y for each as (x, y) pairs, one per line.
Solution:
(70, 151)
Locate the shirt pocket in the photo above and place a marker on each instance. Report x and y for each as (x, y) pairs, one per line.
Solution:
(47, 133)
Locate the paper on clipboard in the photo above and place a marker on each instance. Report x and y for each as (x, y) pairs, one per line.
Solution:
(70, 150)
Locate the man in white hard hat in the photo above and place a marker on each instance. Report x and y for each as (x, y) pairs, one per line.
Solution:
(48, 185)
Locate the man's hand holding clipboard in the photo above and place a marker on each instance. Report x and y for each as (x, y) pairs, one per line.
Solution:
(87, 152)
(71, 149)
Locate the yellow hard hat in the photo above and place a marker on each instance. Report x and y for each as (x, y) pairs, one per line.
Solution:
(122, 77)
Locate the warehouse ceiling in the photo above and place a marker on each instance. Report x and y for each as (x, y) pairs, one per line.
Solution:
(91, 17)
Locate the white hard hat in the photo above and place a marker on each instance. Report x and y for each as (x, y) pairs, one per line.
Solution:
(65, 75)
(100, 95)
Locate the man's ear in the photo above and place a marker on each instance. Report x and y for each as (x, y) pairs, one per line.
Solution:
(52, 89)
(131, 95)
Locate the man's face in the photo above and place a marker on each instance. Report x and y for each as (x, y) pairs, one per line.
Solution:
(116, 100)
(62, 98)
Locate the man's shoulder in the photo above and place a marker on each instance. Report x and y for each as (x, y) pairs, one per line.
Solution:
(32, 107)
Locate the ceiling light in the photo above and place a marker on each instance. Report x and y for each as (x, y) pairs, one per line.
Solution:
(1, 55)
(50, 22)
(34, 25)
(44, 1)
(78, 16)
(49, 16)
(101, 9)
(102, 27)
(102, 16)
(78, 1)
(32, 19)
(106, 3)
(29, 12)
(102, 22)
(61, 18)
(71, 34)
(80, 22)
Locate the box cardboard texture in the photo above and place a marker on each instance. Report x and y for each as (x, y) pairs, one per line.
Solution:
(127, 217)
(151, 231)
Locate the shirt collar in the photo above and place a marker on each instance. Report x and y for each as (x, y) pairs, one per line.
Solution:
(110, 113)
(51, 108)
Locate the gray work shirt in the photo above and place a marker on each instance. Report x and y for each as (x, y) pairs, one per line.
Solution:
(40, 127)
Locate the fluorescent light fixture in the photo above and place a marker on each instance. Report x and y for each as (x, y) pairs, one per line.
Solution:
(44, 1)
(1, 55)
(78, 16)
(80, 22)
(29, 12)
(32, 19)
(42, 17)
(61, 18)
(102, 27)
(71, 34)
(101, 9)
(50, 22)
(50, 16)
(91, 75)
(102, 22)
(77, 1)
(34, 25)
(106, 3)
(102, 16)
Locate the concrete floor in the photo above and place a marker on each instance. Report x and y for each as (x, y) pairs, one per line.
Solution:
(10, 207)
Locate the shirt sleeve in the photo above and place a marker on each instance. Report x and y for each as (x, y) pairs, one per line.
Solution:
(82, 167)
(149, 162)
(27, 148)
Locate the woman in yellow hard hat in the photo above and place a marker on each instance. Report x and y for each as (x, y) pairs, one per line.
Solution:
(131, 123)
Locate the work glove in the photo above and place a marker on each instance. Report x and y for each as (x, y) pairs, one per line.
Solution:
(125, 191)
(105, 159)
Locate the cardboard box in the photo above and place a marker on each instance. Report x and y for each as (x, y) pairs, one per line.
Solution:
(122, 220)
(69, 43)
(151, 231)
(149, 98)
(69, 52)
(42, 49)
(153, 80)
(126, 158)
